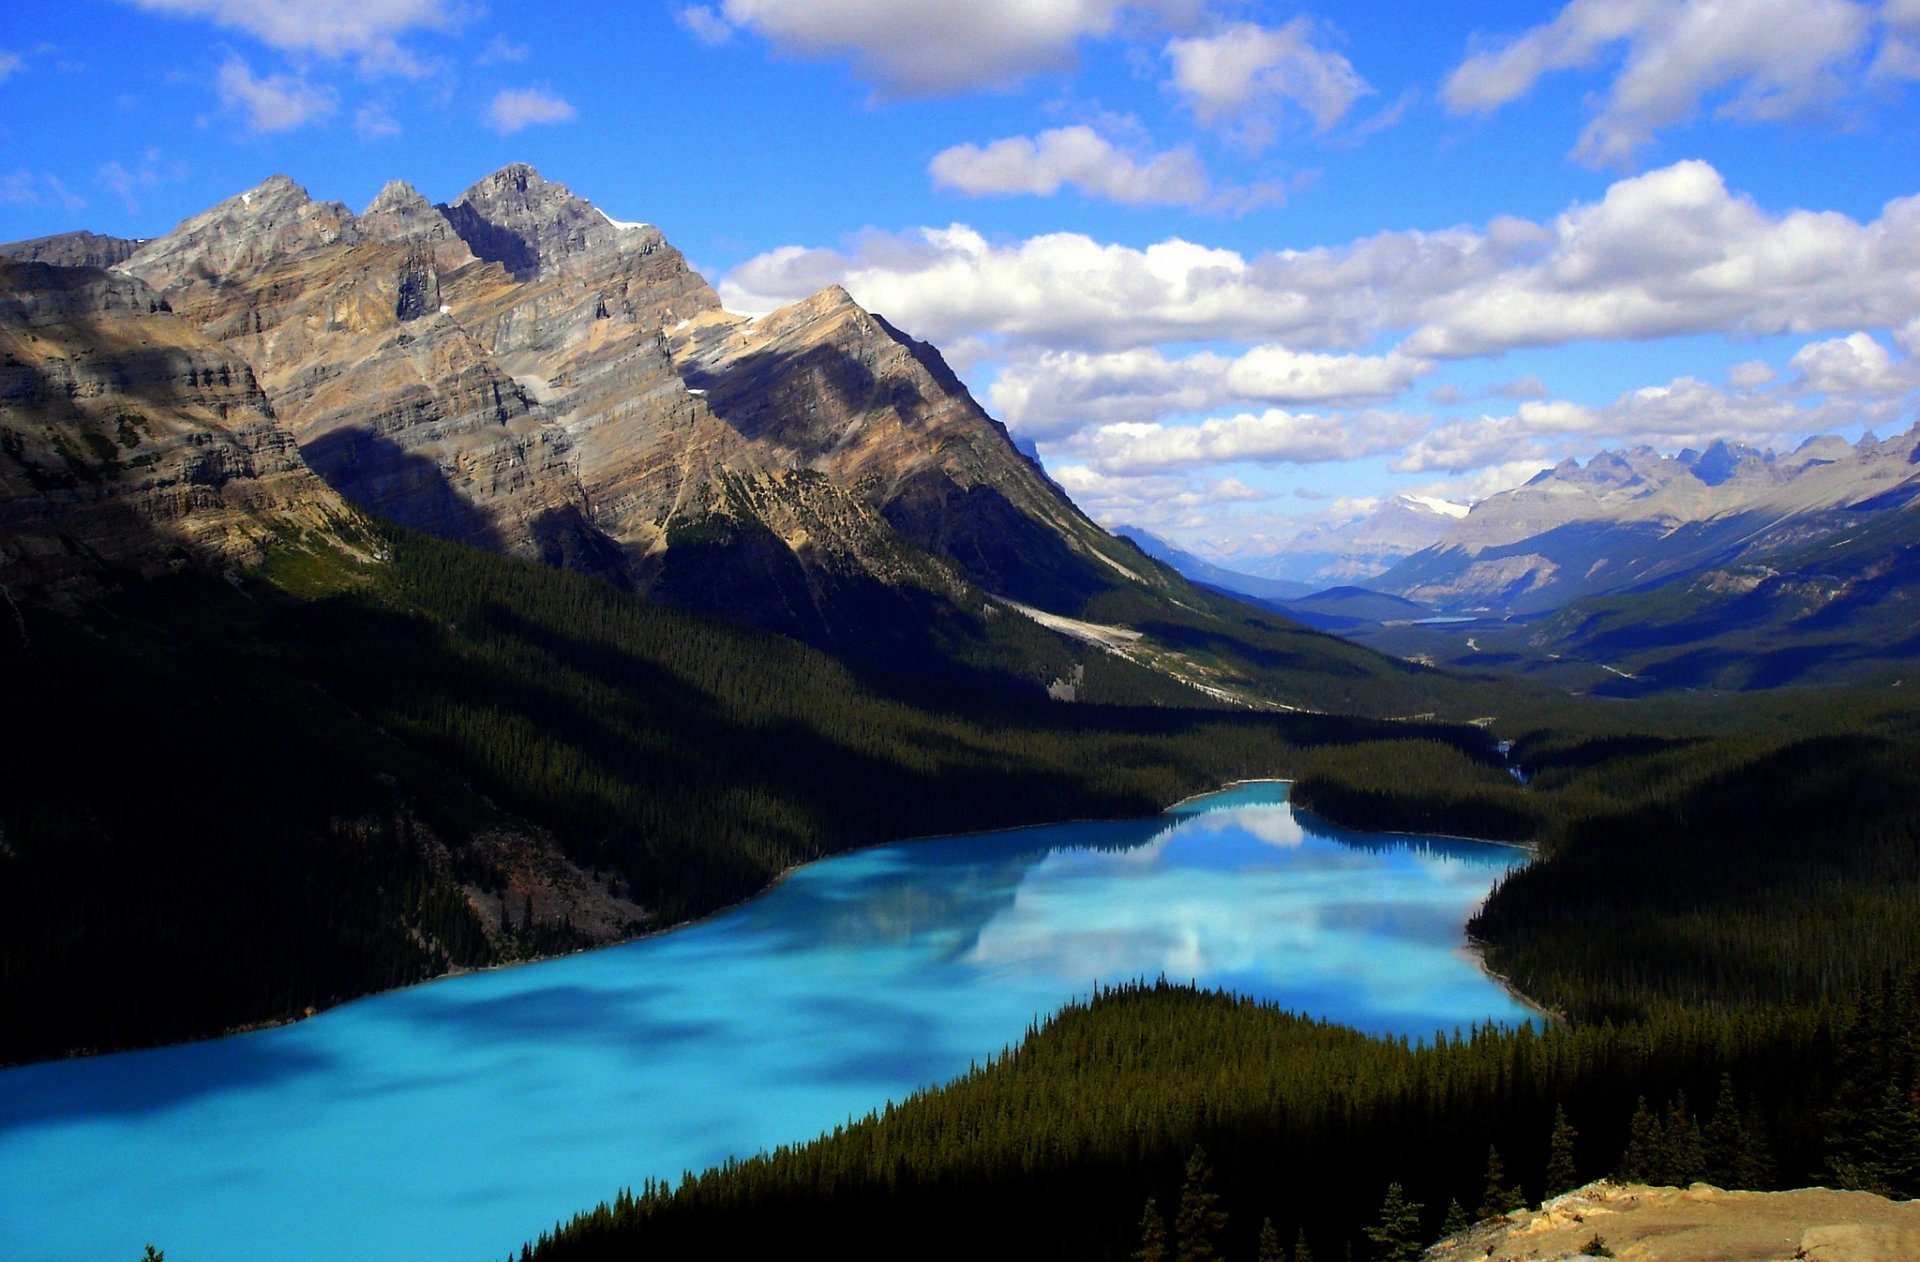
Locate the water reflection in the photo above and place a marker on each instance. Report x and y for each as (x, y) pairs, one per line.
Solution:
(450, 1120)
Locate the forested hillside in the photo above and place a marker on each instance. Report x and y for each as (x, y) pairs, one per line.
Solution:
(1726, 923)
(233, 804)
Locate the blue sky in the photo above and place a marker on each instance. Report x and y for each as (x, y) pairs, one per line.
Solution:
(1228, 264)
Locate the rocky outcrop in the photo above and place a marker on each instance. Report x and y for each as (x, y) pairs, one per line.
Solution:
(129, 440)
(72, 249)
(1697, 1224)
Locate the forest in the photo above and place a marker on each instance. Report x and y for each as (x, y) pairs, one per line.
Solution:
(329, 751)
(1723, 917)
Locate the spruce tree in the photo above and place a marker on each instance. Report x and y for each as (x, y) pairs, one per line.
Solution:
(1300, 1251)
(1562, 1176)
(1456, 1219)
(1734, 1150)
(1153, 1235)
(1270, 1250)
(1498, 1197)
(1396, 1236)
(1197, 1225)
(1644, 1156)
(1686, 1156)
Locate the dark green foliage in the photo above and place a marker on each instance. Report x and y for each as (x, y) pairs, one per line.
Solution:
(1421, 786)
(1456, 1220)
(1873, 1125)
(1153, 1235)
(1301, 1253)
(1497, 1196)
(1645, 1157)
(299, 774)
(1562, 1172)
(1597, 1247)
(1395, 1234)
(1270, 1249)
(1102, 1106)
(1197, 1227)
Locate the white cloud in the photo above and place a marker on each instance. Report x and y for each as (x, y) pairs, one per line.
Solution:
(1482, 483)
(151, 171)
(1764, 60)
(10, 61)
(937, 46)
(24, 188)
(1249, 77)
(1056, 392)
(1158, 502)
(502, 51)
(274, 103)
(517, 108)
(704, 24)
(374, 122)
(1683, 413)
(1271, 437)
(1667, 253)
(1077, 156)
(1751, 374)
(368, 29)
(1852, 365)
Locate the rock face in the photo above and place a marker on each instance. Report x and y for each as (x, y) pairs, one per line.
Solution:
(1698, 1224)
(519, 371)
(128, 439)
(72, 249)
(1628, 519)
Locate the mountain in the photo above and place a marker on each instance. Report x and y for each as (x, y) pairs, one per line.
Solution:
(1207, 573)
(1352, 549)
(518, 371)
(1630, 519)
(1346, 609)
(131, 443)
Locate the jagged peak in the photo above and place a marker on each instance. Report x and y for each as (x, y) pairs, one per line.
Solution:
(515, 182)
(274, 191)
(397, 196)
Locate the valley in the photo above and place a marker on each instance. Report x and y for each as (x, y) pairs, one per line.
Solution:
(413, 592)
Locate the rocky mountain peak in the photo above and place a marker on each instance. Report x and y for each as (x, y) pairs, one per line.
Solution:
(397, 198)
(274, 220)
(533, 226)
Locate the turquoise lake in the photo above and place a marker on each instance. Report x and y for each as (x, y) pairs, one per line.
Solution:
(457, 1119)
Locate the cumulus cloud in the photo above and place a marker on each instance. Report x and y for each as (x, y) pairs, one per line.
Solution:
(1852, 365)
(1751, 374)
(367, 29)
(1667, 253)
(1685, 412)
(1056, 392)
(1249, 78)
(935, 46)
(1274, 436)
(1155, 501)
(1762, 59)
(518, 108)
(274, 103)
(1078, 157)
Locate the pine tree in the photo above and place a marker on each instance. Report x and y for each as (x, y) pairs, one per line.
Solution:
(1270, 1250)
(1686, 1156)
(1644, 1157)
(1456, 1220)
(1734, 1151)
(1197, 1225)
(1498, 1198)
(154, 1255)
(1300, 1251)
(1562, 1176)
(1396, 1236)
(1153, 1235)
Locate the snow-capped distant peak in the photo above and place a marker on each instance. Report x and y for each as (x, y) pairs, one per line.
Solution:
(1446, 508)
(622, 224)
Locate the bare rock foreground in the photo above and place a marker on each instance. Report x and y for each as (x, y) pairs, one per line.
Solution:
(1697, 1224)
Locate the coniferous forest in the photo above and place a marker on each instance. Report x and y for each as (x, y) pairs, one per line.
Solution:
(1723, 918)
